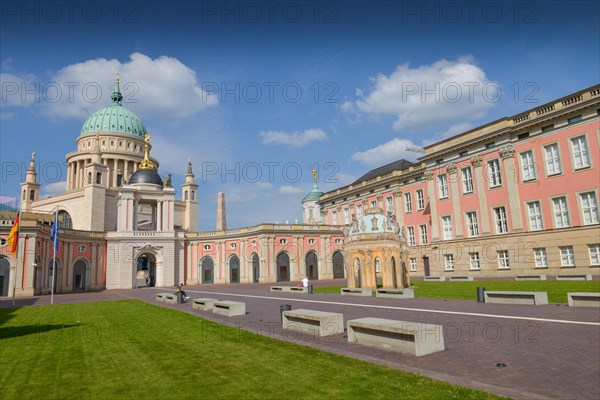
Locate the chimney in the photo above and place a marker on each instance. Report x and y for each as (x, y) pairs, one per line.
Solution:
(221, 213)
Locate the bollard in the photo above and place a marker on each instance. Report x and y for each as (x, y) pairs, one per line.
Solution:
(480, 295)
(282, 308)
(179, 297)
(310, 289)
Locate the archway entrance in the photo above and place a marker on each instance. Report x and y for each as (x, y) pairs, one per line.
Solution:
(146, 270)
(338, 265)
(4, 276)
(283, 267)
(255, 268)
(79, 275)
(234, 269)
(208, 267)
(312, 265)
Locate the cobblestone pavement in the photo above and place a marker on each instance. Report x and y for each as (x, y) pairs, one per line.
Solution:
(550, 351)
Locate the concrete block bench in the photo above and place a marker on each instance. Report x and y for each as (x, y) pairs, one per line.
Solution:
(203, 304)
(434, 278)
(510, 297)
(362, 292)
(584, 299)
(587, 277)
(161, 297)
(318, 323)
(530, 277)
(395, 293)
(229, 308)
(170, 298)
(289, 289)
(461, 279)
(410, 337)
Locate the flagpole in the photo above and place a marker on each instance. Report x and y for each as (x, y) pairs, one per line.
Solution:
(17, 255)
(54, 257)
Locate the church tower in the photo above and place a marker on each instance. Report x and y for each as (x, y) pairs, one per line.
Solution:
(189, 194)
(30, 189)
(311, 212)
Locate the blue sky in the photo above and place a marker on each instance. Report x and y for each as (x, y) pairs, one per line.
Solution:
(259, 93)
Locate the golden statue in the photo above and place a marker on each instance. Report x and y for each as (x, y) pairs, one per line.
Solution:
(146, 163)
(314, 172)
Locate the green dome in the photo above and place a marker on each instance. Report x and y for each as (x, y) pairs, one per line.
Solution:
(313, 195)
(114, 118)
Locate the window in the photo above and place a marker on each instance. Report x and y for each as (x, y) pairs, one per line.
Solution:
(311, 241)
(500, 218)
(390, 204)
(449, 262)
(442, 186)
(423, 234)
(541, 260)
(411, 236)
(494, 176)
(472, 225)
(594, 250)
(338, 241)
(527, 166)
(358, 211)
(447, 226)
(581, 158)
(567, 258)
(420, 200)
(535, 216)
(552, 159)
(413, 264)
(589, 208)
(346, 216)
(233, 245)
(474, 261)
(334, 218)
(207, 247)
(467, 180)
(283, 241)
(373, 204)
(503, 262)
(561, 213)
(407, 203)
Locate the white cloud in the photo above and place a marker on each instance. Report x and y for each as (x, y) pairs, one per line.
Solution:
(393, 150)
(291, 190)
(52, 189)
(18, 91)
(295, 139)
(444, 92)
(264, 185)
(163, 86)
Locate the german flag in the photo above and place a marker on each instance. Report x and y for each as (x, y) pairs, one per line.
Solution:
(13, 237)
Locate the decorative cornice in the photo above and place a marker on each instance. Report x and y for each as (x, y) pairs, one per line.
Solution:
(379, 197)
(507, 151)
(428, 175)
(451, 168)
(476, 161)
(397, 193)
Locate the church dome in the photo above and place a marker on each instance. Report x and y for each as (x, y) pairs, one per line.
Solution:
(145, 176)
(314, 195)
(114, 118)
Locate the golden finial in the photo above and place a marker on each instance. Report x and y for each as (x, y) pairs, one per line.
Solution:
(314, 172)
(146, 163)
(118, 80)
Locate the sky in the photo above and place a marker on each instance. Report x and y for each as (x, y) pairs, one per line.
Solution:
(260, 93)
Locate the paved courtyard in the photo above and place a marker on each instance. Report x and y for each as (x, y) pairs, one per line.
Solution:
(550, 351)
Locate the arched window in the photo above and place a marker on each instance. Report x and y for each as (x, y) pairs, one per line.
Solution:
(186, 195)
(193, 195)
(64, 220)
(32, 195)
(98, 178)
(24, 194)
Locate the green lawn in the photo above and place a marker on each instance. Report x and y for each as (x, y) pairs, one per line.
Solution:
(557, 290)
(130, 349)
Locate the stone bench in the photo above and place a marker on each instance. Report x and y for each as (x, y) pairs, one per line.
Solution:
(510, 297)
(289, 289)
(530, 277)
(584, 299)
(461, 279)
(229, 308)
(318, 323)
(395, 293)
(161, 297)
(362, 292)
(434, 278)
(587, 277)
(170, 298)
(203, 304)
(410, 337)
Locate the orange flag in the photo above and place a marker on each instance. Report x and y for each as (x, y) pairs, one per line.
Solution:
(13, 237)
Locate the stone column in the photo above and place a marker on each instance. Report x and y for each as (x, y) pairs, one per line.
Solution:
(455, 196)
(398, 210)
(435, 236)
(514, 202)
(481, 188)
(159, 218)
